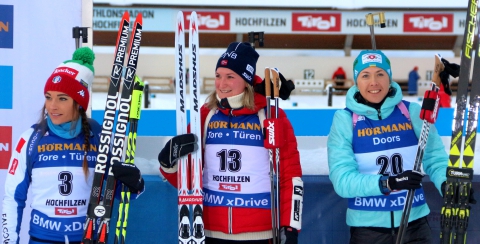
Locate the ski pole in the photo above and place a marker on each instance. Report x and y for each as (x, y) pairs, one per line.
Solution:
(428, 115)
(276, 88)
(274, 163)
(270, 156)
(370, 22)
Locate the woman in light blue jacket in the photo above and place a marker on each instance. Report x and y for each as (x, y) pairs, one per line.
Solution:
(371, 151)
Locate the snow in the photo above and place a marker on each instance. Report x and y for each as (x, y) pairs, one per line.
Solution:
(313, 150)
(165, 101)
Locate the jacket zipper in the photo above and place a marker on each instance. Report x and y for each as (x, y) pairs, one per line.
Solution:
(379, 115)
(230, 225)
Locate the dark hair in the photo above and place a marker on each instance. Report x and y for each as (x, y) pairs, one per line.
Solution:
(79, 111)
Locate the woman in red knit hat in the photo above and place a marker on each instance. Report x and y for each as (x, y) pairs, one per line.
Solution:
(55, 159)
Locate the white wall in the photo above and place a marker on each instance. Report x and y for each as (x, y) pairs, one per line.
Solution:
(42, 39)
(291, 66)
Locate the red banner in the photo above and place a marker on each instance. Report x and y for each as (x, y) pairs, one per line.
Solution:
(210, 20)
(422, 22)
(317, 22)
(5, 146)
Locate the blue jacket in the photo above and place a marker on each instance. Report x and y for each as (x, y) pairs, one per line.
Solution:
(348, 182)
(412, 81)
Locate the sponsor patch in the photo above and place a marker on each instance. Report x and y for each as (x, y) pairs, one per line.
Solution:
(229, 187)
(20, 145)
(298, 190)
(296, 210)
(56, 79)
(250, 69)
(14, 166)
(66, 71)
(65, 211)
(85, 84)
(371, 58)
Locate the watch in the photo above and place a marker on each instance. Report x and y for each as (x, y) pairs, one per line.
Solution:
(383, 182)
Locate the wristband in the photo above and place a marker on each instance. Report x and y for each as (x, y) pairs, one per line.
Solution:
(383, 182)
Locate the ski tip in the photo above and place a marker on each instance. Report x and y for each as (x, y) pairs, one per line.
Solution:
(139, 19)
(126, 15)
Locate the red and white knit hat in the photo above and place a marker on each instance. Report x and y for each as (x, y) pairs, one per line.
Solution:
(73, 76)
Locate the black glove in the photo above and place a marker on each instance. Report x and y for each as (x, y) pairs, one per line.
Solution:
(407, 180)
(445, 79)
(451, 69)
(129, 175)
(285, 89)
(471, 197)
(177, 147)
(288, 235)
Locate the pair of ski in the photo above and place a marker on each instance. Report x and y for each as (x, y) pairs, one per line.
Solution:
(190, 172)
(456, 200)
(112, 140)
(455, 211)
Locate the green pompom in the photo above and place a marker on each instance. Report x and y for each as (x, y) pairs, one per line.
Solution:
(84, 54)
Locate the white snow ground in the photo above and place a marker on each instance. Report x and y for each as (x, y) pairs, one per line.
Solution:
(313, 150)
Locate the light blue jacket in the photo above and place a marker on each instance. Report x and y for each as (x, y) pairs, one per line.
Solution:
(348, 182)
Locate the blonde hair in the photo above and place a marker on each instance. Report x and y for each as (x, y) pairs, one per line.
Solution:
(248, 99)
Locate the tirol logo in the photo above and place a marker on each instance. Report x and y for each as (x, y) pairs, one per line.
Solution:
(14, 166)
(316, 22)
(5, 146)
(427, 22)
(224, 62)
(210, 20)
(65, 211)
(71, 72)
(6, 26)
(229, 187)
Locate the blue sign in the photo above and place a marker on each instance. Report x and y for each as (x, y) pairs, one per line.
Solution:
(6, 81)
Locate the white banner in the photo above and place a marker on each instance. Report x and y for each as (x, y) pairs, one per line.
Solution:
(35, 37)
(428, 22)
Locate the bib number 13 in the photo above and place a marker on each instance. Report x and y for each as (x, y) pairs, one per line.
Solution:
(230, 160)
